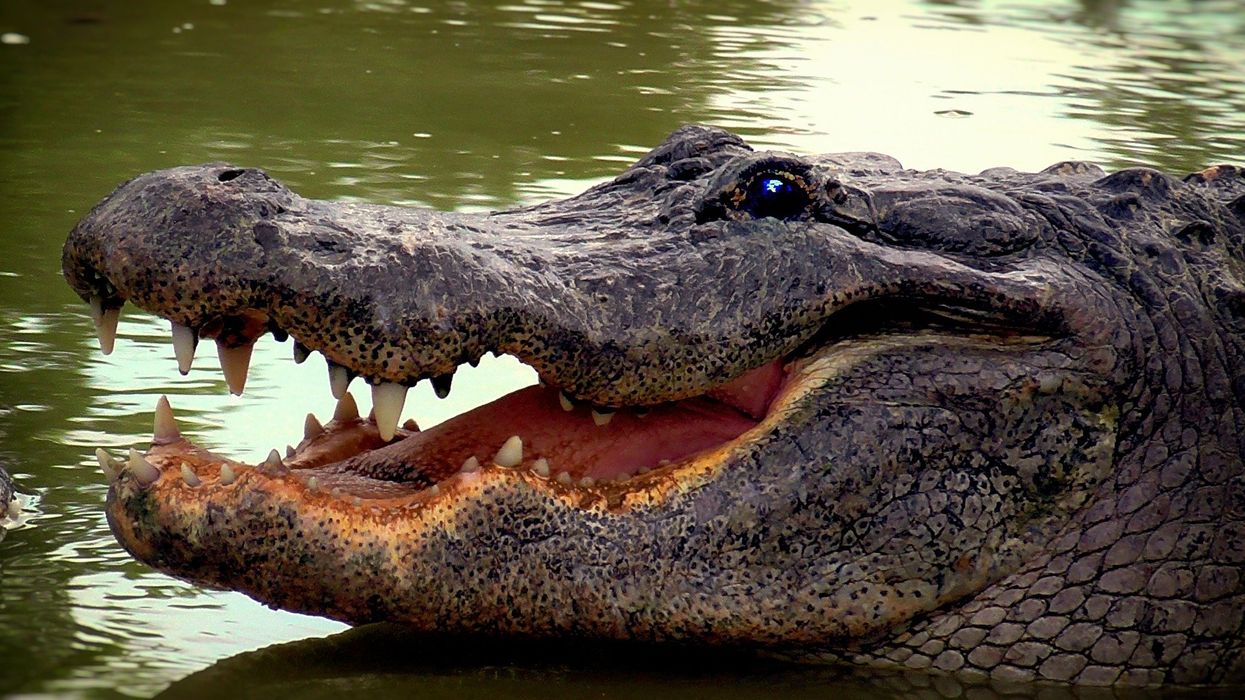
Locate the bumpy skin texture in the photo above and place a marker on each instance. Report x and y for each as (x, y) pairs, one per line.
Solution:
(1048, 483)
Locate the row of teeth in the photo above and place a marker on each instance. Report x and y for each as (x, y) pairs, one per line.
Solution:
(509, 455)
(388, 398)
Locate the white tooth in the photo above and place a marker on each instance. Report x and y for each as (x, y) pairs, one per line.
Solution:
(184, 343)
(664, 463)
(470, 464)
(511, 452)
(97, 310)
(346, 410)
(274, 460)
(226, 474)
(356, 501)
(289, 451)
(107, 465)
(336, 492)
(339, 380)
(313, 483)
(564, 478)
(311, 427)
(387, 400)
(602, 418)
(165, 429)
(587, 481)
(565, 400)
(235, 363)
(541, 467)
(189, 476)
(142, 469)
(435, 489)
(644, 470)
(105, 324)
(15, 509)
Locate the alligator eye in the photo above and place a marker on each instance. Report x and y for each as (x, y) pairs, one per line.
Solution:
(774, 194)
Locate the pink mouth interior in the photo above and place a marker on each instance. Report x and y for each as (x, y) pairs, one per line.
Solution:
(571, 441)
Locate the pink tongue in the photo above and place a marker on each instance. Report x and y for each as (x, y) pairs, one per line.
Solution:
(571, 441)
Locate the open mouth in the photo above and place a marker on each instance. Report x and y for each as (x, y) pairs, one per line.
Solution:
(539, 432)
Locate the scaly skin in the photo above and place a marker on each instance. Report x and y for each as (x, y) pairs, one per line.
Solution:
(1011, 441)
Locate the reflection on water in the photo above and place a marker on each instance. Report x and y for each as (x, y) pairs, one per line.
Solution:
(467, 106)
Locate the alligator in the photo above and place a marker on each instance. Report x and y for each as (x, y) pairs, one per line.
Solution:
(824, 408)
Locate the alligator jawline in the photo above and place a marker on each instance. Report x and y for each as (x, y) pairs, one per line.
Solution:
(539, 434)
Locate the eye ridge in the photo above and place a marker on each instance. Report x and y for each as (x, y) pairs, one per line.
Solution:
(775, 193)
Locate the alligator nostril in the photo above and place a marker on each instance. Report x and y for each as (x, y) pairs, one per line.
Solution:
(227, 175)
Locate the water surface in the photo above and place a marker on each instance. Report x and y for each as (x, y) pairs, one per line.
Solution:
(467, 106)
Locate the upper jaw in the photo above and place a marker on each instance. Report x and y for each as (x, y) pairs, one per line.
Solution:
(614, 314)
(396, 295)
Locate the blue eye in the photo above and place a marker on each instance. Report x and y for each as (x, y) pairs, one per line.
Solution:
(774, 194)
(773, 185)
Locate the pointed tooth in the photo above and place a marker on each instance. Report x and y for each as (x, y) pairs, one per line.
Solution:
(567, 404)
(235, 363)
(312, 428)
(142, 470)
(587, 481)
(410, 425)
(14, 508)
(565, 478)
(346, 410)
(387, 400)
(511, 452)
(541, 467)
(470, 464)
(189, 476)
(274, 460)
(185, 340)
(301, 353)
(105, 324)
(434, 489)
(602, 416)
(313, 483)
(107, 464)
(96, 305)
(227, 475)
(339, 379)
(441, 385)
(289, 451)
(165, 429)
(356, 501)
(336, 492)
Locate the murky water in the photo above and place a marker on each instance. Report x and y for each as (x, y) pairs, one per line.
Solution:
(462, 105)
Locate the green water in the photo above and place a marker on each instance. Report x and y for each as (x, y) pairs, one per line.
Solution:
(460, 105)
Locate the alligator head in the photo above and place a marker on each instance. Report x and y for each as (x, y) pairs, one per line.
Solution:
(824, 406)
